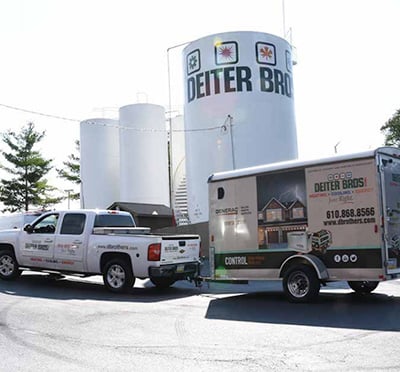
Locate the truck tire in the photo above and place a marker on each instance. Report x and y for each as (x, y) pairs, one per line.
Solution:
(118, 276)
(363, 287)
(301, 284)
(162, 282)
(8, 266)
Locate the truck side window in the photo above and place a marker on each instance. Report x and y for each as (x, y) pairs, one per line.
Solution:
(113, 220)
(220, 193)
(73, 224)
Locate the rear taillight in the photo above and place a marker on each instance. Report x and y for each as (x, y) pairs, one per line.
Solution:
(154, 252)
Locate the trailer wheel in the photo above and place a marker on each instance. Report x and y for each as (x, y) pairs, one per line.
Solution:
(301, 284)
(118, 276)
(363, 287)
(162, 282)
(8, 266)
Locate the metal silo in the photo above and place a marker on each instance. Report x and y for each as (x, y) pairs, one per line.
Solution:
(143, 154)
(99, 162)
(238, 110)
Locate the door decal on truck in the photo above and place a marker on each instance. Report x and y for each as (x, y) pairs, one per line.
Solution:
(36, 246)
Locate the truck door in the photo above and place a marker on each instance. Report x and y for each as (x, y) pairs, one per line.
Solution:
(71, 242)
(390, 179)
(37, 244)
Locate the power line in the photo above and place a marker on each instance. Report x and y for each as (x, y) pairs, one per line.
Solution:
(109, 125)
(154, 130)
(38, 113)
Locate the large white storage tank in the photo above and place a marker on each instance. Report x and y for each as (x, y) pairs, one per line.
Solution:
(143, 154)
(238, 109)
(99, 162)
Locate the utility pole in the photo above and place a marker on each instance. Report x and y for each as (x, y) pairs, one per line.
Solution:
(171, 180)
(69, 196)
(230, 120)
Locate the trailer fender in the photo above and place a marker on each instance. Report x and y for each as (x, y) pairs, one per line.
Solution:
(310, 259)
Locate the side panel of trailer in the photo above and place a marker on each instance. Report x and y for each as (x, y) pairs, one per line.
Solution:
(331, 211)
(344, 201)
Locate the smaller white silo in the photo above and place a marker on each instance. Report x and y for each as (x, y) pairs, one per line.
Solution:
(99, 164)
(143, 154)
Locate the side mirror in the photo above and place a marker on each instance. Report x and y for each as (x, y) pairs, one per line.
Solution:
(28, 228)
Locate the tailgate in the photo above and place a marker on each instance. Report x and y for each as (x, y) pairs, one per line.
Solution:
(180, 248)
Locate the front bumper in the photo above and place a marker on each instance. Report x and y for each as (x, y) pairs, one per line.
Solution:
(181, 271)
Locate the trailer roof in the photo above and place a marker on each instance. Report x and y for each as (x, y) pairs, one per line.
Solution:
(292, 164)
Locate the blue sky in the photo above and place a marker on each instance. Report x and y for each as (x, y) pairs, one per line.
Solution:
(85, 58)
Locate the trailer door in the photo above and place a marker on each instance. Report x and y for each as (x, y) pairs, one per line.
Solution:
(390, 179)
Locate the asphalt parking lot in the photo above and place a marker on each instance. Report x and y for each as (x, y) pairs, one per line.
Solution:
(76, 325)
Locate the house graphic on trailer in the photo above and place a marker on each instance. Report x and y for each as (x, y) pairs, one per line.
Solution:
(276, 219)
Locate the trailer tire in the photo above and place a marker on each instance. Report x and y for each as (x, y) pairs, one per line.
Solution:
(9, 268)
(162, 282)
(363, 287)
(301, 284)
(118, 276)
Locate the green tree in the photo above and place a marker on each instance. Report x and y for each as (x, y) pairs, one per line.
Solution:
(391, 130)
(27, 186)
(72, 170)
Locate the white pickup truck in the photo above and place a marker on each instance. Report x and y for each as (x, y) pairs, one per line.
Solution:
(93, 242)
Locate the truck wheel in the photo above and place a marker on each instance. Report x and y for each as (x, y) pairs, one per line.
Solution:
(301, 284)
(118, 276)
(8, 266)
(363, 287)
(162, 282)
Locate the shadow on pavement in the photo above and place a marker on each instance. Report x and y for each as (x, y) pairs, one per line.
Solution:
(42, 286)
(338, 310)
(258, 302)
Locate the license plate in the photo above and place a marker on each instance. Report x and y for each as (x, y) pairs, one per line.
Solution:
(392, 263)
(180, 268)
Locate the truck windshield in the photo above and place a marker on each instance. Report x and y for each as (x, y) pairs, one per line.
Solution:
(113, 220)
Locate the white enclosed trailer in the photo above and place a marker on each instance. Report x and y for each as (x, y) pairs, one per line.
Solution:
(308, 222)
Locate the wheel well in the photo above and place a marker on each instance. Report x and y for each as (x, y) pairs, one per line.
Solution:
(7, 247)
(113, 255)
(287, 265)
